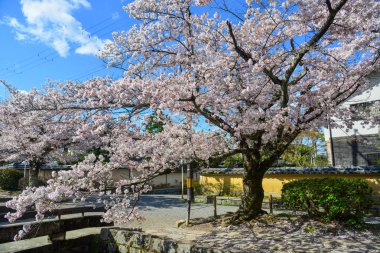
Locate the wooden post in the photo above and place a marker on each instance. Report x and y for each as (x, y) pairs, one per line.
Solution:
(270, 204)
(215, 212)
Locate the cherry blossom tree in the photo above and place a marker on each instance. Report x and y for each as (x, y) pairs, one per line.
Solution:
(259, 77)
(238, 81)
(30, 132)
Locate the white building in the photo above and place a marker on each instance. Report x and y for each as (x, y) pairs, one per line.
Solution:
(359, 145)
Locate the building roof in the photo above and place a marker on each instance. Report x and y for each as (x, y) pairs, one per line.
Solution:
(20, 166)
(302, 170)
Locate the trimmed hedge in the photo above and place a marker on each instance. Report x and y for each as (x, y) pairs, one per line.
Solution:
(9, 179)
(338, 199)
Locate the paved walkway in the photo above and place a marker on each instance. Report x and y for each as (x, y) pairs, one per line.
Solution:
(162, 211)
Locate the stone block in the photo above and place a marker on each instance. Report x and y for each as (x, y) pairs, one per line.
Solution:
(157, 245)
(112, 248)
(179, 223)
(184, 248)
(120, 237)
(123, 249)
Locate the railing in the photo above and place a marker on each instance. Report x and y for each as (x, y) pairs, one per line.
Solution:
(55, 229)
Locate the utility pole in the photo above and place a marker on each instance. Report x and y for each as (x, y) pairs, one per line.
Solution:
(190, 184)
(190, 191)
(183, 180)
(331, 145)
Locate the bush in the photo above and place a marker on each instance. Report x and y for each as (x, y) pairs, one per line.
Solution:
(339, 199)
(9, 179)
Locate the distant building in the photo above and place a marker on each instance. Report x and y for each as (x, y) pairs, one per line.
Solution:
(359, 146)
(172, 179)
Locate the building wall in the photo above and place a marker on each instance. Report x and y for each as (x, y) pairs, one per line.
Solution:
(231, 184)
(172, 179)
(356, 150)
(273, 183)
(351, 145)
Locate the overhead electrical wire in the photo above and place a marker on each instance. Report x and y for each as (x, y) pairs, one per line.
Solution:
(42, 58)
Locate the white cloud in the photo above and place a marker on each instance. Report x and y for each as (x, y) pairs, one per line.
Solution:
(115, 15)
(51, 22)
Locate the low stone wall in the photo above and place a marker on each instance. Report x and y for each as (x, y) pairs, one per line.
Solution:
(277, 204)
(129, 241)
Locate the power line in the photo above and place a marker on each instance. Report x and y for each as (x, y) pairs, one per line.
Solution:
(78, 77)
(40, 58)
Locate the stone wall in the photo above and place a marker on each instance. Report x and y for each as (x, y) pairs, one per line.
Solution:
(129, 241)
(354, 150)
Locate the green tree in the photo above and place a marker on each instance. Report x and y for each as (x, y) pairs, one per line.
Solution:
(154, 124)
(308, 149)
(234, 161)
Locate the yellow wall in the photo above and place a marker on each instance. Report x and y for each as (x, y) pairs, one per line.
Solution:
(272, 183)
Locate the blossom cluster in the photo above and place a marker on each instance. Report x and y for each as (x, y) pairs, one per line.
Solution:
(220, 84)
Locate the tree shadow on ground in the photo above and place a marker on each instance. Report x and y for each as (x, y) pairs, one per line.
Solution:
(295, 234)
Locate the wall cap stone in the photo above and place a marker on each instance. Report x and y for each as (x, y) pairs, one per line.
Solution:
(375, 169)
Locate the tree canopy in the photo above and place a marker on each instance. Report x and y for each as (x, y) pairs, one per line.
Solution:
(223, 81)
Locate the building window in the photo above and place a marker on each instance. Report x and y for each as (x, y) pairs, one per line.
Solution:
(373, 158)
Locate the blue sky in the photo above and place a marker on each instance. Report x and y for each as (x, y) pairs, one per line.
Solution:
(43, 40)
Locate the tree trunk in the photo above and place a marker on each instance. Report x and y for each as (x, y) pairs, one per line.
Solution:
(34, 169)
(253, 194)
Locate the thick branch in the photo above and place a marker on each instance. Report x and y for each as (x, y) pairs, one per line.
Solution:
(315, 38)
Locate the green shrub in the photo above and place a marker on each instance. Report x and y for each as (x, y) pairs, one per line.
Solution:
(197, 188)
(9, 179)
(339, 199)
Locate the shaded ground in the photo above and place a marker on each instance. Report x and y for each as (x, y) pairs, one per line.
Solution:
(285, 234)
(272, 234)
(288, 234)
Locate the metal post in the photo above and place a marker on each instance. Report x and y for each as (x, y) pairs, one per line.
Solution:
(190, 186)
(215, 212)
(271, 204)
(188, 212)
(190, 191)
